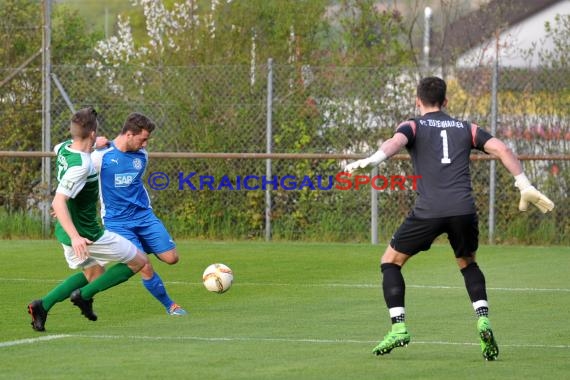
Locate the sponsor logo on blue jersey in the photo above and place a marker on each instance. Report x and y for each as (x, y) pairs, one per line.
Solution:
(124, 179)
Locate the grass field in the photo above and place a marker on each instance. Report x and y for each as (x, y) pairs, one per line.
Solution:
(295, 311)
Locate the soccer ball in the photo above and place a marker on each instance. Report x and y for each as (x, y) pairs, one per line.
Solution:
(218, 278)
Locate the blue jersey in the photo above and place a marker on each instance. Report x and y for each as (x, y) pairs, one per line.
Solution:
(123, 195)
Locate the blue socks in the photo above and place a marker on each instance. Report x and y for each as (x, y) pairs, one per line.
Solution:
(156, 287)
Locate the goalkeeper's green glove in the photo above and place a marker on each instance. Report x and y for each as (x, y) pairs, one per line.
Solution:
(375, 159)
(529, 194)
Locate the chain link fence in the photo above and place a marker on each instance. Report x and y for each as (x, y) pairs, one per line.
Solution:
(293, 109)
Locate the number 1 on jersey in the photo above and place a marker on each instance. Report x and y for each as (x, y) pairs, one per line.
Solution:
(445, 159)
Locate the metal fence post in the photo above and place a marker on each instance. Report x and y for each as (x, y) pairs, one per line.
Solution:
(493, 166)
(269, 139)
(374, 209)
(46, 115)
(427, 36)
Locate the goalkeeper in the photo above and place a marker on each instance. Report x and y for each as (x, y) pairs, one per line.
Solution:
(440, 146)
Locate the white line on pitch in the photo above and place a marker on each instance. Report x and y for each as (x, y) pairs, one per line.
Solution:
(33, 340)
(333, 285)
(491, 288)
(28, 280)
(325, 285)
(261, 339)
(374, 286)
(298, 340)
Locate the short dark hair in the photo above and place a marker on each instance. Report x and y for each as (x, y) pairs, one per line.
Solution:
(83, 122)
(432, 91)
(136, 123)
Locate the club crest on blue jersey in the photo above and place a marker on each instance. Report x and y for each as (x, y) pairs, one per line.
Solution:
(124, 179)
(137, 163)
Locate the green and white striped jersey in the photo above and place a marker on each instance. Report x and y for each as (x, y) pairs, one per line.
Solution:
(78, 180)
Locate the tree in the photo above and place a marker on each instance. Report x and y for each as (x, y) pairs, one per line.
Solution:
(21, 96)
(203, 66)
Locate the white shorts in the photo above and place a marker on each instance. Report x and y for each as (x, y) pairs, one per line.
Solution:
(110, 247)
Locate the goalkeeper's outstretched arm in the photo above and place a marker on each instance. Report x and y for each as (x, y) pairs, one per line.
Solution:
(529, 194)
(388, 148)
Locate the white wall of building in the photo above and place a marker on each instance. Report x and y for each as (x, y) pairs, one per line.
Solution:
(516, 39)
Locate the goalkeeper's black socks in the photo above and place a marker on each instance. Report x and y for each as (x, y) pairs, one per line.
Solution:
(394, 289)
(474, 282)
(476, 288)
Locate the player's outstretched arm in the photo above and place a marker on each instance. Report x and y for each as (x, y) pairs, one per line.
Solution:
(529, 194)
(387, 149)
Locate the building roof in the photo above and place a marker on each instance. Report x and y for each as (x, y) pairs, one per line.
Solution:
(482, 25)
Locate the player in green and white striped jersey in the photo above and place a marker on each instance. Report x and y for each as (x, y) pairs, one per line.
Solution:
(86, 244)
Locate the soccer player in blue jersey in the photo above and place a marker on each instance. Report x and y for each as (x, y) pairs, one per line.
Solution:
(440, 146)
(125, 204)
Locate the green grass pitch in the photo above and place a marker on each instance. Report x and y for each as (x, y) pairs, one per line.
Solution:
(295, 311)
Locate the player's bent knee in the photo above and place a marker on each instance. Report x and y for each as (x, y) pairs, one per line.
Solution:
(464, 262)
(138, 262)
(147, 271)
(173, 260)
(170, 257)
(391, 256)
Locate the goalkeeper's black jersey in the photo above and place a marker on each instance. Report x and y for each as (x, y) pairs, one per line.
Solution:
(440, 150)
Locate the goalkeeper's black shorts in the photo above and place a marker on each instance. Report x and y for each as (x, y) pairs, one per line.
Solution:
(416, 234)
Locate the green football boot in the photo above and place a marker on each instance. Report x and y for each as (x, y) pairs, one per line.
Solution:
(489, 346)
(397, 337)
